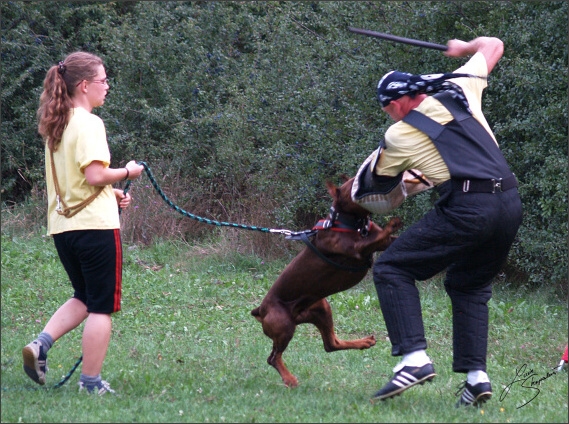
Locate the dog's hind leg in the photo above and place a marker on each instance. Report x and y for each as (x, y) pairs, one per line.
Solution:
(276, 360)
(278, 326)
(320, 314)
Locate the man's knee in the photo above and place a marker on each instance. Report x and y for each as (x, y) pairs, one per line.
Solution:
(389, 275)
(466, 290)
(383, 274)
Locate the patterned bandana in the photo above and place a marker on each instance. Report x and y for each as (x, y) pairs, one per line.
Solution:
(395, 85)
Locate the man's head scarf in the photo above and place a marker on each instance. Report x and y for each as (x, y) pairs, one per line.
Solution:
(395, 85)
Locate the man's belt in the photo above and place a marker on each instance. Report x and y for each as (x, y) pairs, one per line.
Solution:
(494, 185)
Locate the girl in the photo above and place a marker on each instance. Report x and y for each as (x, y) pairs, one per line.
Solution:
(83, 216)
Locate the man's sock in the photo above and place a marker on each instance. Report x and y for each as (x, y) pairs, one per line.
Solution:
(477, 376)
(413, 359)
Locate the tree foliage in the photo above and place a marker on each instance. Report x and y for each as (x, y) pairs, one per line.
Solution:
(244, 98)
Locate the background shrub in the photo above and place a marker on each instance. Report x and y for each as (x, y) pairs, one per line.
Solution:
(244, 109)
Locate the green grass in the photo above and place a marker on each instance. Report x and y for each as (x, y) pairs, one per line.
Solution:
(186, 349)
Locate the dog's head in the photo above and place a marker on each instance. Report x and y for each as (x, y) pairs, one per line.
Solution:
(342, 198)
(359, 246)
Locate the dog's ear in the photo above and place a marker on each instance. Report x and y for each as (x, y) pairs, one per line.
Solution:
(344, 177)
(333, 190)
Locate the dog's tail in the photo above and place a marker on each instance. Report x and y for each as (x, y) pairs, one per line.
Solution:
(255, 312)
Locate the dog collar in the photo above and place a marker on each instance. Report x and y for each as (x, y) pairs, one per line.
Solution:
(343, 223)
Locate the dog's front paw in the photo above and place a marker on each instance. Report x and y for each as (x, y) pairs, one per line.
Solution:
(394, 224)
(363, 343)
(369, 341)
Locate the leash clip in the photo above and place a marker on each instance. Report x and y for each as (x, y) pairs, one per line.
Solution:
(466, 186)
(298, 235)
(364, 231)
(328, 223)
(58, 207)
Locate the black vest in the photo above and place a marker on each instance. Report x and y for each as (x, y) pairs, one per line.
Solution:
(467, 148)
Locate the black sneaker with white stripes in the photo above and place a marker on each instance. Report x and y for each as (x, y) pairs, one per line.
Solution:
(473, 395)
(405, 378)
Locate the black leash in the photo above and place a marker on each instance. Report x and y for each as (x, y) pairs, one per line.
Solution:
(290, 235)
(69, 374)
(63, 380)
(206, 220)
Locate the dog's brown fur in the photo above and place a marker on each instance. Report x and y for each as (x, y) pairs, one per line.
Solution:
(298, 296)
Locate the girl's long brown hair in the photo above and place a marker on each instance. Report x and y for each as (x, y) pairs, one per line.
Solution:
(58, 87)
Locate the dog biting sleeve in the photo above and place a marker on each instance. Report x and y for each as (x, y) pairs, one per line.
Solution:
(377, 194)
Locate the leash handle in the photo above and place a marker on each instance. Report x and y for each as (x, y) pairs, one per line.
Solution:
(125, 191)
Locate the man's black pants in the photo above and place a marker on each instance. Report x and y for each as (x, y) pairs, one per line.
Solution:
(467, 234)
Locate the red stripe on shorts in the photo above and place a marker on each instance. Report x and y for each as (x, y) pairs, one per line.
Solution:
(118, 271)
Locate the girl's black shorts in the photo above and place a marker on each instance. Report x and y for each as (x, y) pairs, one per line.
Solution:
(93, 261)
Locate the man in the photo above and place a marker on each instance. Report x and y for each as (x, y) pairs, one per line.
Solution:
(469, 232)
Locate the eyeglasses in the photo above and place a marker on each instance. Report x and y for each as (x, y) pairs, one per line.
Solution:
(102, 81)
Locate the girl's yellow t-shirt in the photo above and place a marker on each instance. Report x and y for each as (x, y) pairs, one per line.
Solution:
(84, 140)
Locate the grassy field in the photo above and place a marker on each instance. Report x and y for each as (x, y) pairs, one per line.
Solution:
(186, 349)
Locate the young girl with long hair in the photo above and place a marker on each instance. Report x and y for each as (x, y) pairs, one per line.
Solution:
(83, 217)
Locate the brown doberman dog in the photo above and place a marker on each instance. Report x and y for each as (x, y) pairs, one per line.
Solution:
(338, 258)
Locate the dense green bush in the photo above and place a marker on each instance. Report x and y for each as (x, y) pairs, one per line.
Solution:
(243, 101)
